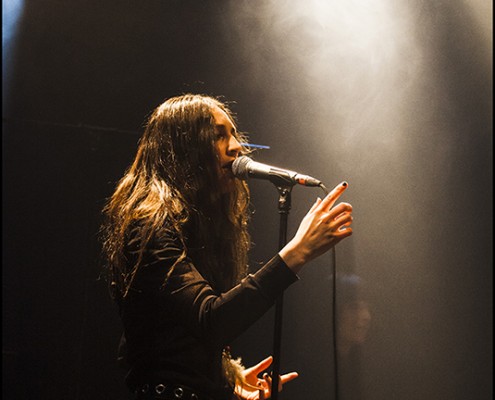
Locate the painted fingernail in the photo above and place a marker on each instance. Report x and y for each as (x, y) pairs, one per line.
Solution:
(344, 184)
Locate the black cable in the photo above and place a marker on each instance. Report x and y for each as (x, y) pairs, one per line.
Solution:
(324, 188)
(334, 322)
(334, 313)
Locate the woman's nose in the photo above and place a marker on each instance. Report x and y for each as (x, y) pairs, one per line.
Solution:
(234, 146)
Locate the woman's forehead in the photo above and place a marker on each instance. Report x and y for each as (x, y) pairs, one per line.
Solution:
(222, 118)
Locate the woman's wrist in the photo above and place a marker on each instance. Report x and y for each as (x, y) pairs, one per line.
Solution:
(293, 258)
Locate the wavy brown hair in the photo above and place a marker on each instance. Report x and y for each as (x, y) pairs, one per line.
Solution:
(172, 189)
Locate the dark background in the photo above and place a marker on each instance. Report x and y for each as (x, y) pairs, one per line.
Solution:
(393, 97)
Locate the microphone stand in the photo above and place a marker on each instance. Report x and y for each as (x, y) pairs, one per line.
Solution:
(284, 205)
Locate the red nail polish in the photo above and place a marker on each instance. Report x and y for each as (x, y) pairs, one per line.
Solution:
(344, 184)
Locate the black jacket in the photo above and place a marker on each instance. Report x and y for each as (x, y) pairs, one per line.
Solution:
(175, 332)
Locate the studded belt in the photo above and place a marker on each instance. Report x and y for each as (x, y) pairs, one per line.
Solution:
(164, 391)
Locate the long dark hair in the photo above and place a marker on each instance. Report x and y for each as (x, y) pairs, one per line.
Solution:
(172, 190)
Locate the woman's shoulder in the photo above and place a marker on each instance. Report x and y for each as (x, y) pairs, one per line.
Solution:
(155, 242)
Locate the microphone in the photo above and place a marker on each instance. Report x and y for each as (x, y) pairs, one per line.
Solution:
(243, 167)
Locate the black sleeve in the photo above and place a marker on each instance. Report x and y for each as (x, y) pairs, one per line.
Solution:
(215, 318)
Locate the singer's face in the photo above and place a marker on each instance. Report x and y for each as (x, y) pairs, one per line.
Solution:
(227, 146)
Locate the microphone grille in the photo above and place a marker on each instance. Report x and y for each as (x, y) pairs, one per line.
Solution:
(240, 167)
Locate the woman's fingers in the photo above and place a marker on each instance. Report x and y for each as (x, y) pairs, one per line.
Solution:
(316, 204)
(257, 388)
(339, 217)
(288, 377)
(261, 366)
(330, 199)
(268, 380)
(283, 379)
(337, 211)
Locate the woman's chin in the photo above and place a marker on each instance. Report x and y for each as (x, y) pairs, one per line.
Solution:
(227, 184)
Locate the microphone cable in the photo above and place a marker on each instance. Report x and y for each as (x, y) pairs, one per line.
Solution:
(334, 312)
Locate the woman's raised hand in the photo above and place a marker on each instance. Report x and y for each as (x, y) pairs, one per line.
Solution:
(321, 229)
